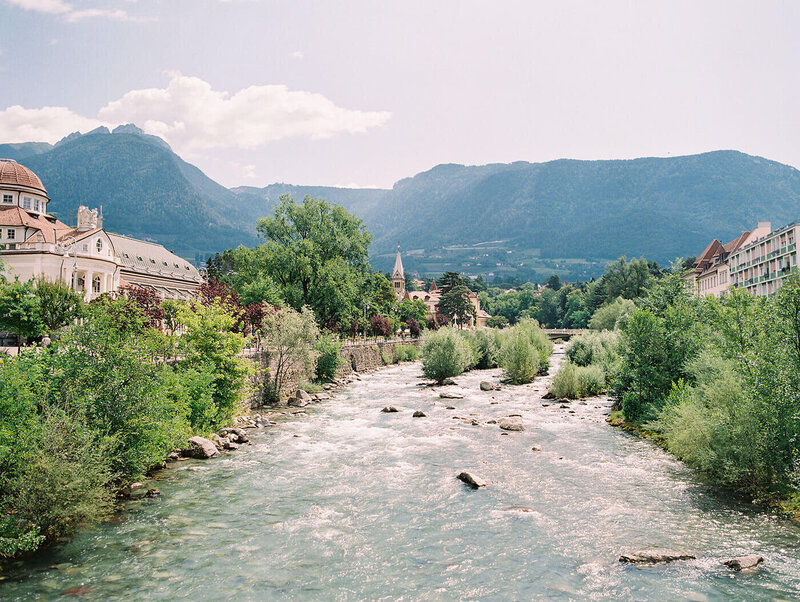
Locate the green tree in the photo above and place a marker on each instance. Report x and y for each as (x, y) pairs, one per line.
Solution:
(209, 343)
(455, 304)
(59, 304)
(290, 335)
(20, 310)
(313, 247)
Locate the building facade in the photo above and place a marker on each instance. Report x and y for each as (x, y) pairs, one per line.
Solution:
(432, 296)
(35, 244)
(711, 272)
(761, 265)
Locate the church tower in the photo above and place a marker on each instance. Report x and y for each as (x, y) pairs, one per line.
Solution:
(399, 277)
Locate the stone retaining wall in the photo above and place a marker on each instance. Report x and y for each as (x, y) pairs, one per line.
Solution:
(359, 356)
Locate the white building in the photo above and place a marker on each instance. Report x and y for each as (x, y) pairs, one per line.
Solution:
(34, 243)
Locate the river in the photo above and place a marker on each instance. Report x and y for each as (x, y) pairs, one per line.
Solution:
(349, 503)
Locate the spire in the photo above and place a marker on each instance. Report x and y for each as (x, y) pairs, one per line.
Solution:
(398, 266)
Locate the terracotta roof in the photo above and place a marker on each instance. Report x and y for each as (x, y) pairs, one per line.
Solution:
(12, 172)
(737, 242)
(16, 216)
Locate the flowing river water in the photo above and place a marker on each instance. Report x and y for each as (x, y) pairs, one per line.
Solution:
(347, 503)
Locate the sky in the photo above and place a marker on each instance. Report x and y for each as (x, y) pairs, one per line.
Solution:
(364, 93)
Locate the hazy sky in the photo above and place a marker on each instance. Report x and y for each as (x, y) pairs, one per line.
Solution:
(367, 92)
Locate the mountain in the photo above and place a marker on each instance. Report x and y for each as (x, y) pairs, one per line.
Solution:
(145, 189)
(518, 219)
(533, 219)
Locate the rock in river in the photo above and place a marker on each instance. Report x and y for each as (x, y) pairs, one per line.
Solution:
(472, 480)
(487, 386)
(741, 563)
(448, 381)
(202, 448)
(449, 395)
(419, 414)
(389, 410)
(652, 557)
(512, 423)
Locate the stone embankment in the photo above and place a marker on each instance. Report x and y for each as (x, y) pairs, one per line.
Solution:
(358, 356)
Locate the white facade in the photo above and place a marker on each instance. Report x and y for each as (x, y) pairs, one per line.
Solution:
(34, 244)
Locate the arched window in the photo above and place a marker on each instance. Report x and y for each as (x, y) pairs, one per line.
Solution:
(99, 245)
(96, 284)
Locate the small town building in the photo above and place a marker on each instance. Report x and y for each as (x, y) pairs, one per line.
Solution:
(432, 296)
(760, 265)
(33, 243)
(711, 271)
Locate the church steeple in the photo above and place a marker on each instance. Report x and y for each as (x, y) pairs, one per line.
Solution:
(399, 277)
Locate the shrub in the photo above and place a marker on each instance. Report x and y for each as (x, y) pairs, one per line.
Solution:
(405, 353)
(598, 348)
(380, 326)
(445, 353)
(290, 335)
(413, 327)
(310, 387)
(388, 358)
(576, 382)
(518, 358)
(329, 359)
(483, 343)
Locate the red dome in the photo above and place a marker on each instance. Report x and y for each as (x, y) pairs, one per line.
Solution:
(12, 172)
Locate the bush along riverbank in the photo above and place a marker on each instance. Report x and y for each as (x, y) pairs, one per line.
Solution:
(522, 351)
(84, 418)
(717, 383)
(118, 395)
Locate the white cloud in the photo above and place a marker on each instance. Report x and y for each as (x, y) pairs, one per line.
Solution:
(48, 124)
(297, 55)
(192, 117)
(53, 7)
(70, 13)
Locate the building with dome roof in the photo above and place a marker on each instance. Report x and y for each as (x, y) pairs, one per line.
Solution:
(33, 243)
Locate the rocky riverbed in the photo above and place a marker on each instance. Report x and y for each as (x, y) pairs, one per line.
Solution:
(340, 500)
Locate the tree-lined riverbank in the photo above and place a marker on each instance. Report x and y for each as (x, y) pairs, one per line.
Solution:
(344, 500)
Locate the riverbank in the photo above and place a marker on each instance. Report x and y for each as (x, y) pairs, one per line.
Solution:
(345, 501)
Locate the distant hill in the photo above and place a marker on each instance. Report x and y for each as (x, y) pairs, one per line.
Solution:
(566, 216)
(146, 191)
(519, 219)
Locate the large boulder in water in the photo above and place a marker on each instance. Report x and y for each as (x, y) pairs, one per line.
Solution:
(741, 563)
(472, 480)
(512, 423)
(202, 448)
(389, 410)
(488, 386)
(653, 557)
(451, 395)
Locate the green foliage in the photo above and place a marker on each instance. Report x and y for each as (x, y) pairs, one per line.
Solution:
(20, 310)
(310, 387)
(329, 359)
(485, 347)
(577, 382)
(454, 303)
(316, 253)
(290, 336)
(59, 305)
(445, 353)
(211, 346)
(599, 348)
(628, 280)
(406, 353)
(524, 352)
(612, 316)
